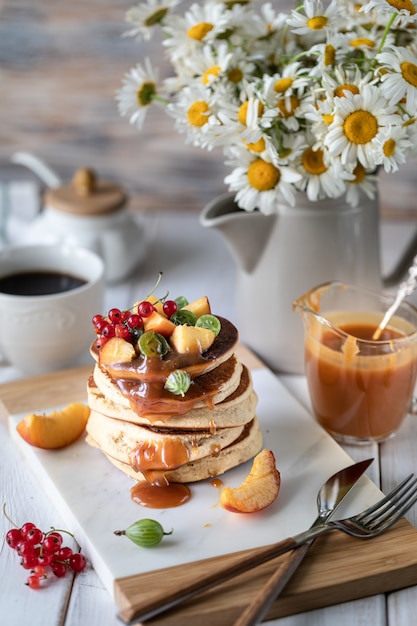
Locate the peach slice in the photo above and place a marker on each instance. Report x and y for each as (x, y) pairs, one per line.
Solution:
(191, 339)
(159, 324)
(199, 307)
(258, 490)
(56, 429)
(116, 350)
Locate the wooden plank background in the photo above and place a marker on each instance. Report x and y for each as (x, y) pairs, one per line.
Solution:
(60, 65)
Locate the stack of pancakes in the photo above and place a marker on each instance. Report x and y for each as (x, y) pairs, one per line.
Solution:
(149, 433)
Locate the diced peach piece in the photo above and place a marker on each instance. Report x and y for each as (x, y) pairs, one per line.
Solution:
(159, 323)
(56, 429)
(259, 489)
(199, 307)
(191, 339)
(116, 350)
(157, 304)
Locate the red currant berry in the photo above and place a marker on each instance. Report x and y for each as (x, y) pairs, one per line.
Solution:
(58, 568)
(44, 559)
(108, 331)
(63, 554)
(39, 571)
(145, 308)
(29, 561)
(77, 562)
(101, 325)
(13, 537)
(51, 543)
(26, 528)
(169, 307)
(123, 332)
(125, 315)
(96, 319)
(33, 582)
(34, 536)
(115, 315)
(25, 548)
(134, 321)
(100, 342)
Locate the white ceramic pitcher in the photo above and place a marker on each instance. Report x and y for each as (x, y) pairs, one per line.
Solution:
(282, 256)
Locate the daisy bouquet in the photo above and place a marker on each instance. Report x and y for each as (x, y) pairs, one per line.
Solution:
(313, 100)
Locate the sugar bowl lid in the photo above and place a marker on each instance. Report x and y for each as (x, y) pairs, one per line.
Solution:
(86, 194)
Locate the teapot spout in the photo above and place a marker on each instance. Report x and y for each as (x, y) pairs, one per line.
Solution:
(246, 233)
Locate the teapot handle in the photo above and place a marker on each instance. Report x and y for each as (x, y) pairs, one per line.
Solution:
(36, 165)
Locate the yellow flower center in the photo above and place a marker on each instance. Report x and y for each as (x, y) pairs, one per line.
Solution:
(197, 114)
(235, 75)
(313, 161)
(282, 85)
(317, 23)
(199, 31)
(359, 173)
(263, 176)
(360, 127)
(156, 17)
(409, 72)
(389, 147)
(243, 111)
(339, 91)
(329, 55)
(407, 5)
(211, 71)
(258, 146)
(145, 94)
(360, 42)
(327, 118)
(282, 106)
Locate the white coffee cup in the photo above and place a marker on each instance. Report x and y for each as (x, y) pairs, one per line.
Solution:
(42, 333)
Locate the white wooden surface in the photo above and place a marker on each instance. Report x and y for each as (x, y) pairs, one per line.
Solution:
(193, 262)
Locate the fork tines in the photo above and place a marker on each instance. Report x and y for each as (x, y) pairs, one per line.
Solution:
(392, 506)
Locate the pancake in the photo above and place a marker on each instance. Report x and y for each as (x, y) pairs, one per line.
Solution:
(242, 450)
(156, 449)
(237, 409)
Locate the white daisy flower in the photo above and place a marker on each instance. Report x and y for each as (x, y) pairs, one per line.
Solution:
(400, 78)
(359, 122)
(200, 25)
(315, 18)
(395, 149)
(146, 15)
(362, 182)
(260, 184)
(139, 91)
(404, 11)
(195, 115)
(321, 177)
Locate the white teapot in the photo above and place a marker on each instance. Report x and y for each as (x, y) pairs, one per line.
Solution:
(89, 213)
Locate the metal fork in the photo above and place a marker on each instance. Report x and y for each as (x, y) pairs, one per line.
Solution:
(370, 523)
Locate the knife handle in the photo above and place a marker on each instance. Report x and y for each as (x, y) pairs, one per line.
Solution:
(260, 605)
(149, 607)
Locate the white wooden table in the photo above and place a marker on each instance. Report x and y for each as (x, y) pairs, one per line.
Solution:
(193, 263)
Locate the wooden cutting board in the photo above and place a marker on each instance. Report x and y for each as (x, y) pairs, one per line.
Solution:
(337, 569)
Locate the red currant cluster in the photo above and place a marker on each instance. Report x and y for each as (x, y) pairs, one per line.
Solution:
(126, 324)
(39, 551)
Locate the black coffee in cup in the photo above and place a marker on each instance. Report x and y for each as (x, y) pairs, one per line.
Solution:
(39, 283)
